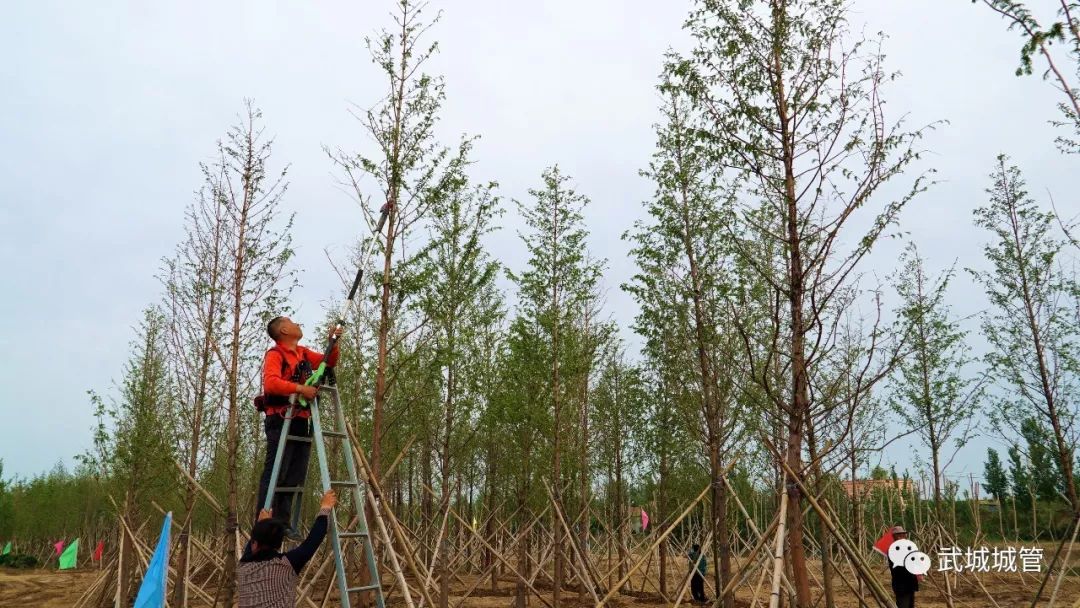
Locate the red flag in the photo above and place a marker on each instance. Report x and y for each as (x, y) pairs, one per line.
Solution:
(99, 550)
(882, 544)
(59, 546)
(644, 520)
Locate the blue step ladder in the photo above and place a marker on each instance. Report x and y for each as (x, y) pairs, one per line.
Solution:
(361, 533)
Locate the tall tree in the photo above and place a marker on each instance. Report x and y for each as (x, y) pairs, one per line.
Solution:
(463, 308)
(410, 170)
(558, 280)
(685, 237)
(997, 482)
(144, 441)
(794, 113)
(842, 429)
(1020, 477)
(520, 411)
(1033, 339)
(593, 336)
(137, 456)
(257, 253)
(932, 397)
(194, 281)
(619, 402)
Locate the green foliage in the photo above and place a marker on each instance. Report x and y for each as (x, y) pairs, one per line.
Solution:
(1031, 327)
(559, 277)
(135, 442)
(1023, 286)
(1020, 478)
(56, 504)
(7, 509)
(997, 483)
(459, 299)
(619, 399)
(409, 156)
(683, 287)
(1046, 477)
(19, 560)
(931, 395)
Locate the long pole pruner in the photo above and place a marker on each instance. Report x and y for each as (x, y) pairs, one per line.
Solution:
(317, 375)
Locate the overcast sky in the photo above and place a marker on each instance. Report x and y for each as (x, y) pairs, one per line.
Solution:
(106, 109)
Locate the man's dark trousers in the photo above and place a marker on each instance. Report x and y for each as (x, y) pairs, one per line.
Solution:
(906, 600)
(697, 586)
(294, 462)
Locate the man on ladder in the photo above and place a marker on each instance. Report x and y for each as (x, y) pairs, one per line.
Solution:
(285, 368)
(294, 379)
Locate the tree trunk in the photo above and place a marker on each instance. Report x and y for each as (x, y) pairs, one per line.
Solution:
(489, 532)
(721, 533)
(126, 567)
(824, 538)
(620, 491)
(523, 558)
(556, 399)
(796, 293)
(661, 507)
(183, 552)
(379, 404)
(856, 510)
(394, 190)
(583, 420)
(427, 516)
(444, 552)
(713, 415)
(240, 264)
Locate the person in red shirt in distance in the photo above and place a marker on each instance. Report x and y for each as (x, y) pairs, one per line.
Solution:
(285, 367)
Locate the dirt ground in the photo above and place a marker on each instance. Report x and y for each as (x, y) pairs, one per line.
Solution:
(54, 589)
(43, 588)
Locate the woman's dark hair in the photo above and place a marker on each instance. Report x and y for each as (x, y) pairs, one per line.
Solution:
(269, 533)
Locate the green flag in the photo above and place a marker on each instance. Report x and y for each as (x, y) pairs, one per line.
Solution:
(67, 558)
(7, 548)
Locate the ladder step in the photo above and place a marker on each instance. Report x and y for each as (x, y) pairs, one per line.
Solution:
(298, 438)
(342, 482)
(335, 434)
(364, 588)
(352, 534)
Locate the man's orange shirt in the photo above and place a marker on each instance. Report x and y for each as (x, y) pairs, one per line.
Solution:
(277, 383)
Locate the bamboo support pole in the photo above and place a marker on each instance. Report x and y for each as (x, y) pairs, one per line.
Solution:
(875, 586)
(690, 573)
(373, 499)
(626, 577)
(488, 546)
(778, 551)
(1064, 565)
(592, 584)
(480, 579)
